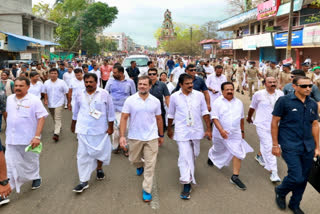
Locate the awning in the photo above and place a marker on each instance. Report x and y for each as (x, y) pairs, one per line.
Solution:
(241, 18)
(206, 41)
(20, 43)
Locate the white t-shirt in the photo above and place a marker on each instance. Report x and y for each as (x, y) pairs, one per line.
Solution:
(176, 73)
(36, 89)
(143, 123)
(67, 77)
(56, 92)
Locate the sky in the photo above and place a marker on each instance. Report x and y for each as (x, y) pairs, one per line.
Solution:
(141, 18)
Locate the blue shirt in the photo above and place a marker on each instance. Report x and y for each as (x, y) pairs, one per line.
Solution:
(198, 84)
(170, 64)
(178, 64)
(61, 73)
(120, 91)
(90, 67)
(295, 127)
(315, 92)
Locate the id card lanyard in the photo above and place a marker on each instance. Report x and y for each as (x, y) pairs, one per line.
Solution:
(89, 100)
(190, 121)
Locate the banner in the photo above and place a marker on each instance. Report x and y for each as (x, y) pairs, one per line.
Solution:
(61, 56)
(264, 40)
(311, 36)
(281, 39)
(268, 9)
(237, 44)
(249, 43)
(226, 44)
(25, 55)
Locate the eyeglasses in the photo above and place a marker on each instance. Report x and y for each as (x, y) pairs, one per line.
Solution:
(192, 69)
(152, 74)
(305, 86)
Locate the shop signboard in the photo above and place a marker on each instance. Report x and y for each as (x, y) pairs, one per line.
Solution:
(249, 43)
(264, 40)
(207, 47)
(237, 44)
(311, 36)
(281, 39)
(25, 55)
(285, 8)
(226, 44)
(267, 9)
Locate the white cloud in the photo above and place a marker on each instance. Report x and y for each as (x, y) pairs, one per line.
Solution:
(141, 18)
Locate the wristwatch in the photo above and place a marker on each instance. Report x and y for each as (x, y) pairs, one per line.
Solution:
(4, 182)
(37, 137)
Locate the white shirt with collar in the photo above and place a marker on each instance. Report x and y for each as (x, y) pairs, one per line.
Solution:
(176, 73)
(67, 77)
(179, 108)
(209, 69)
(84, 103)
(36, 89)
(98, 73)
(263, 104)
(23, 116)
(56, 92)
(77, 86)
(229, 114)
(215, 82)
(143, 123)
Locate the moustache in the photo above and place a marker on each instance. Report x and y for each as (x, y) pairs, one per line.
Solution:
(18, 90)
(190, 87)
(229, 93)
(273, 86)
(89, 86)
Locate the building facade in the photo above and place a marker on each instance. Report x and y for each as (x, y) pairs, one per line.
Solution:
(262, 33)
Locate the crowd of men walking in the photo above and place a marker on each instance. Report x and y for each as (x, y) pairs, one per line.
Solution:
(117, 109)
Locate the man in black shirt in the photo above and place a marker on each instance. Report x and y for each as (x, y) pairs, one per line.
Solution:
(133, 72)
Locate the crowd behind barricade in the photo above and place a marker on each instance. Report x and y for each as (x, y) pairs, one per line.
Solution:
(128, 110)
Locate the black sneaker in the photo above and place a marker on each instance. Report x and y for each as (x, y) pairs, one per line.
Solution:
(185, 194)
(296, 210)
(236, 181)
(281, 201)
(81, 187)
(36, 184)
(100, 174)
(210, 163)
(4, 201)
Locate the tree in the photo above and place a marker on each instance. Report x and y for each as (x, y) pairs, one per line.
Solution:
(315, 17)
(240, 6)
(108, 45)
(79, 21)
(42, 10)
(188, 38)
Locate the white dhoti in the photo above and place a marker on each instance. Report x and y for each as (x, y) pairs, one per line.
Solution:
(116, 131)
(223, 150)
(21, 166)
(188, 151)
(266, 149)
(92, 148)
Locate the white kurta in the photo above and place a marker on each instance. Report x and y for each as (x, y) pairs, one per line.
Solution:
(188, 135)
(215, 82)
(23, 116)
(263, 103)
(176, 73)
(229, 114)
(36, 89)
(93, 142)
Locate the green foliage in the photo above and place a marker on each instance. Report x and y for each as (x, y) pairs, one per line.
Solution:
(187, 42)
(42, 10)
(315, 17)
(108, 45)
(75, 16)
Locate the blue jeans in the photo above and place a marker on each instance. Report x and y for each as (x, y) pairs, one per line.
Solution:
(299, 165)
(170, 70)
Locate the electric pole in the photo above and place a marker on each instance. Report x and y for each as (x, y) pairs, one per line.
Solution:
(288, 52)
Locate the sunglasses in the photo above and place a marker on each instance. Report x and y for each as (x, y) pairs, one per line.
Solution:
(305, 86)
(152, 74)
(192, 69)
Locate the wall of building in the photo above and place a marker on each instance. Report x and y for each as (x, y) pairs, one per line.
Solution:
(312, 52)
(11, 24)
(16, 6)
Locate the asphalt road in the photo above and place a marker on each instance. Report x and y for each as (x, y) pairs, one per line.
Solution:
(120, 192)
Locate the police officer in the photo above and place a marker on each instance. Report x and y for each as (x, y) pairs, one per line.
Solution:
(297, 139)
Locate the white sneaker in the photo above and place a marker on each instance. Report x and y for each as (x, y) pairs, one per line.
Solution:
(260, 160)
(274, 177)
(4, 201)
